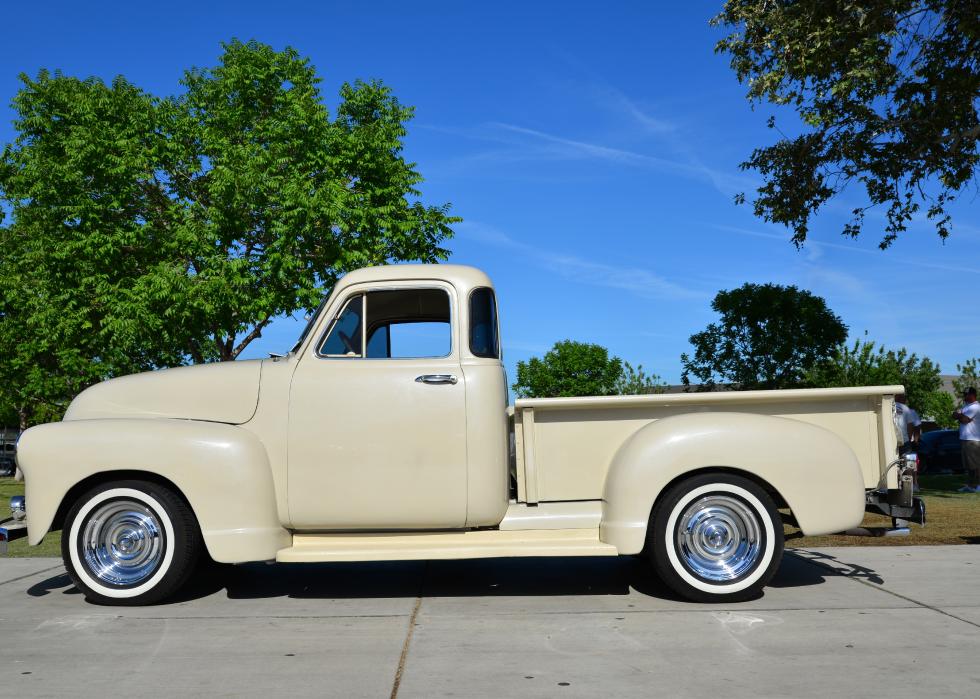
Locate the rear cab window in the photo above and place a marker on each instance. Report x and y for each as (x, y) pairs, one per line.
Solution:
(483, 324)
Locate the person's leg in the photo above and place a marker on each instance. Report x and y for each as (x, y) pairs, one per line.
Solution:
(971, 475)
(971, 459)
(975, 448)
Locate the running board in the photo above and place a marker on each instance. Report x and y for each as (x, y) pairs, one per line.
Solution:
(415, 546)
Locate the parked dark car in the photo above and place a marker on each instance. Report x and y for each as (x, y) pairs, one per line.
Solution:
(939, 452)
(7, 464)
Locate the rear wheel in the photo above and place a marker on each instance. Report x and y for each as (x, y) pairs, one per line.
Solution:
(130, 543)
(716, 538)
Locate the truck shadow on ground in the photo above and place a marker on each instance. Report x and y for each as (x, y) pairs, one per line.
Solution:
(833, 566)
(508, 577)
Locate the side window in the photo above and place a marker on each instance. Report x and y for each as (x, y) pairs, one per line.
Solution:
(379, 343)
(416, 340)
(344, 339)
(396, 324)
(408, 324)
(483, 324)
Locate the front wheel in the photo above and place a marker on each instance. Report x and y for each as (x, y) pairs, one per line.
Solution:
(716, 538)
(130, 543)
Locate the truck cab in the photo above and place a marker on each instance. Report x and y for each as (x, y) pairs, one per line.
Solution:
(398, 405)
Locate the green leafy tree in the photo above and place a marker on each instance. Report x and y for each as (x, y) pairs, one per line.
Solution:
(46, 351)
(767, 337)
(866, 364)
(148, 231)
(8, 414)
(937, 406)
(569, 369)
(635, 381)
(80, 241)
(887, 93)
(969, 376)
(580, 369)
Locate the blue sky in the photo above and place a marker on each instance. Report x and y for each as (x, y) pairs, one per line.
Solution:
(593, 155)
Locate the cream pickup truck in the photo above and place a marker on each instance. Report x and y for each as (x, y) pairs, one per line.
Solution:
(385, 434)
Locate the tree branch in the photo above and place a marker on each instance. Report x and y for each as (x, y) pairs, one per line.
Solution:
(255, 333)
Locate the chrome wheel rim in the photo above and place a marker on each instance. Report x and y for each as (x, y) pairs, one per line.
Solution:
(122, 543)
(719, 538)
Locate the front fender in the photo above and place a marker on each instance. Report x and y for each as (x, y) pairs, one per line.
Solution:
(812, 468)
(222, 470)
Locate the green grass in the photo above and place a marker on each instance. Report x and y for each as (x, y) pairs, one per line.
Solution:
(51, 546)
(952, 518)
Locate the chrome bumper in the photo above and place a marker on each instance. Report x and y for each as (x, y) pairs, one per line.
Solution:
(898, 503)
(11, 530)
(15, 526)
(891, 503)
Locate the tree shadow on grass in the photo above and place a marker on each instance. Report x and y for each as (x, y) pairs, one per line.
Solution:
(944, 494)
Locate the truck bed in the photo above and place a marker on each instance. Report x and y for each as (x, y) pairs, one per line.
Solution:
(563, 446)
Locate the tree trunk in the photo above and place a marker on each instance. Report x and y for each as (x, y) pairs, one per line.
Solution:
(253, 334)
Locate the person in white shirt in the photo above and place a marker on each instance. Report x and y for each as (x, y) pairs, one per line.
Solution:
(907, 421)
(969, 418)
(909, 427)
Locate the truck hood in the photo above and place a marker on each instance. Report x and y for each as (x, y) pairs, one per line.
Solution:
(221, 392)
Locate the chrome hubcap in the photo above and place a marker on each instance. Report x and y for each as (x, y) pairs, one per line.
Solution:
(122, 543)
(719, 538)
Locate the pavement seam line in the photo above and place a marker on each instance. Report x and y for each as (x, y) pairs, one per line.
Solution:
(403, 658)
(889, 592)
(31, 575)
(408, 640)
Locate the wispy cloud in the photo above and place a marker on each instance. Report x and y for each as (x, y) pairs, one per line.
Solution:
(605, 95)
(817, 245)
(971, 231)
(670, 134)
(521, 144)
(635, 280)
(488, 234)
(837, 281)
(661, 336)
(575, 148)
(528, 348)
(724, 182)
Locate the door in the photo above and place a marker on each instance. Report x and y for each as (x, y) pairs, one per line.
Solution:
(377, 415)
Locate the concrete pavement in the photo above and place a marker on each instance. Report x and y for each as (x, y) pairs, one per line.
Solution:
(899, 621)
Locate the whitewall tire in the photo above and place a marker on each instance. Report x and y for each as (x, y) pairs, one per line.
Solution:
(716, 538)
(130, 543)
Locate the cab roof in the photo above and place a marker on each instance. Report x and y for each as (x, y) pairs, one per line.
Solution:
(461, 276)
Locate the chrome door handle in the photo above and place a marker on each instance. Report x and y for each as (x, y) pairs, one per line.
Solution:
(436, 378)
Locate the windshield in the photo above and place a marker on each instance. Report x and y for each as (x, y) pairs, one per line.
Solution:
(310, 322)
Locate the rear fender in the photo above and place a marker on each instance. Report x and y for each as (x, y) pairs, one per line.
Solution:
(811, 468)
(222, 470)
